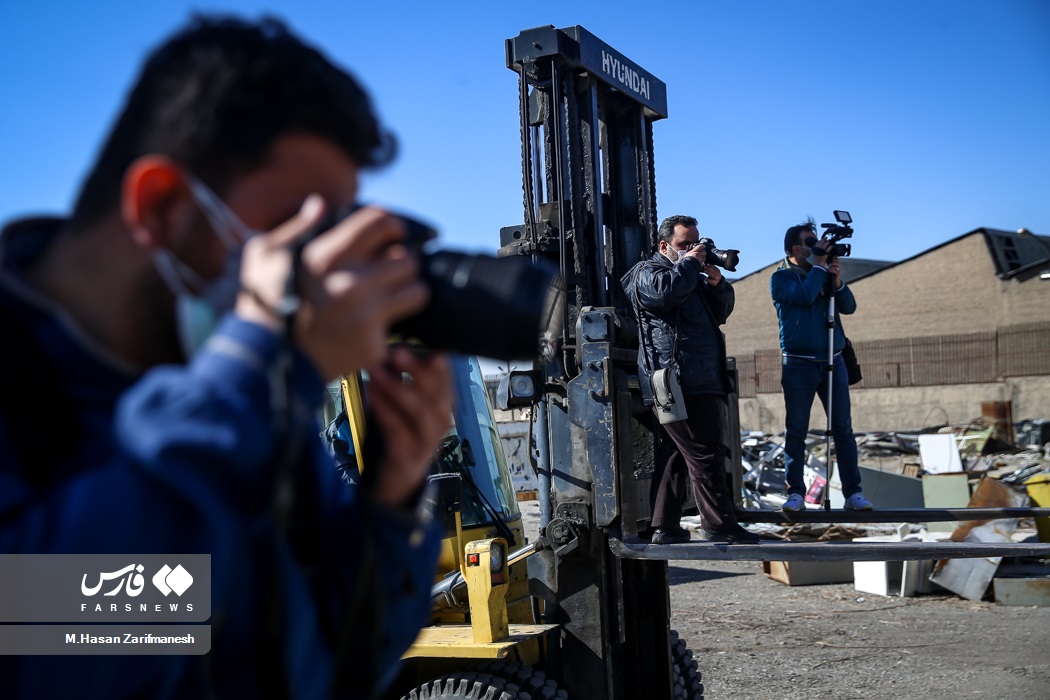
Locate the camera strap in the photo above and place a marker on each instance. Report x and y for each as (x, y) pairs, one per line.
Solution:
(288, 451)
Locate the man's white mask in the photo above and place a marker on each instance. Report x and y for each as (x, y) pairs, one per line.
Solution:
(199, 304)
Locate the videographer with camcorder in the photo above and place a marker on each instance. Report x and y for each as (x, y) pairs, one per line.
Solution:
(680, 299)
(166, 350)
(801, 289)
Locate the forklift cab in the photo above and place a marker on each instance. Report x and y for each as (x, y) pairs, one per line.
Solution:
(471, 450)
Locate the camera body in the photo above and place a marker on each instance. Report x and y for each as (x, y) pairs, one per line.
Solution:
(726, 259)
(835, 233)
(501, 308)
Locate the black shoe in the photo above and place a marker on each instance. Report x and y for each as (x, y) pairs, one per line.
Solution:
(671, 535)
(734, 534)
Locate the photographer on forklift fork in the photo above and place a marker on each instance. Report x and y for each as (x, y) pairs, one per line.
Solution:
(164, 351)
(680, 301)
(799, 287)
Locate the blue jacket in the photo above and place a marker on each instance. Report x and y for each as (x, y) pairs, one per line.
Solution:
(676, 296)
(180, 460)
(803, 311)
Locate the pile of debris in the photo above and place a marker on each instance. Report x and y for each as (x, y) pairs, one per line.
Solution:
(973, 464)
(975, 448)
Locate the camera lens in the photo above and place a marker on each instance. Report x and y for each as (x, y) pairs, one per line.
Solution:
(500, 308)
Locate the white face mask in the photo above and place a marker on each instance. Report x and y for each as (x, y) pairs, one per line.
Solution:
(197, 313)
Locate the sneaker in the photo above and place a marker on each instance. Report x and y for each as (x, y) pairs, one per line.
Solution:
(733, 534)
(794, 503)
(858, 502)
(671, 535)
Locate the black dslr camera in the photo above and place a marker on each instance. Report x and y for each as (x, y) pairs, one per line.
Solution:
(835, 233)
(726, 259)
(499, 308)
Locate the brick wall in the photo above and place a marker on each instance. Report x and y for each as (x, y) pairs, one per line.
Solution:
(942, 321)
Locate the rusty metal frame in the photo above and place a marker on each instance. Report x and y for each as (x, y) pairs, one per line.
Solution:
(886, 515)
(837, 550)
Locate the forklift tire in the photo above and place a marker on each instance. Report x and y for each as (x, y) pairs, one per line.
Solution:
(532, 681)
(466, 686)
(502, 682)
(686, 681)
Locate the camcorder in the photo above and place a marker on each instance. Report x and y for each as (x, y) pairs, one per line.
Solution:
(496, 307)
(835, 233)
(726, 259)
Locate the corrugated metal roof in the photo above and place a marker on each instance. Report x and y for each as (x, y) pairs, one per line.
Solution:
(1015, 255)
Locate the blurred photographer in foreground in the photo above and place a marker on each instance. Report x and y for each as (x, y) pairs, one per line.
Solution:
(160, 377)
(799, 289)
(680, 300)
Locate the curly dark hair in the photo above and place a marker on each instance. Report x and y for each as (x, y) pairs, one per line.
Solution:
(216, 95)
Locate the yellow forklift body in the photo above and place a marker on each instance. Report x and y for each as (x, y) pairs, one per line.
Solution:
(489, 634)
(498, 622)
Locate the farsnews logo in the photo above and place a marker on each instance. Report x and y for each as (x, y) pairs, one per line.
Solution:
(130, 574)
(169, 580)
(130, 579)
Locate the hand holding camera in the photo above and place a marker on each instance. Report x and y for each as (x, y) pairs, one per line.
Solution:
(412, 417)
(364, 275)
(354, 281)
(819, 249)
(833, 233)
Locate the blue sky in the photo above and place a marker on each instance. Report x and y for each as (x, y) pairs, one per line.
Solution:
(924, 118)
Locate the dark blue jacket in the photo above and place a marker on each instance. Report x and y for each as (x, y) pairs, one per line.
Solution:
(802, 310)
(676, 295)
(95, 459)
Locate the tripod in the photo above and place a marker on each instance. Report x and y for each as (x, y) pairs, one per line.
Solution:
(830, 293)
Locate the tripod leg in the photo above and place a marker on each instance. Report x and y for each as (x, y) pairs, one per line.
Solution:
(830, 382)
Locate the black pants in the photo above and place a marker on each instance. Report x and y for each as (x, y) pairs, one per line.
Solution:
(695, 449)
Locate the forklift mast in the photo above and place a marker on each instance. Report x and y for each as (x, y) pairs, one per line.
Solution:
(587, 115)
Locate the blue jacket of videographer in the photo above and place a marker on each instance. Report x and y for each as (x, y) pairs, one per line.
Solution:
(801, 304)
(675, 295)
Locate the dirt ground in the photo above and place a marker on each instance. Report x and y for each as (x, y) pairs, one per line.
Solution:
(759, 639)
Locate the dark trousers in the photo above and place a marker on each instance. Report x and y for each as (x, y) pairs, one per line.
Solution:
(694, 450)
(802, 380)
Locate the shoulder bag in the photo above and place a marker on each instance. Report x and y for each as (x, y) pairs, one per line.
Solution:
(849, 356)
(668, 402)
